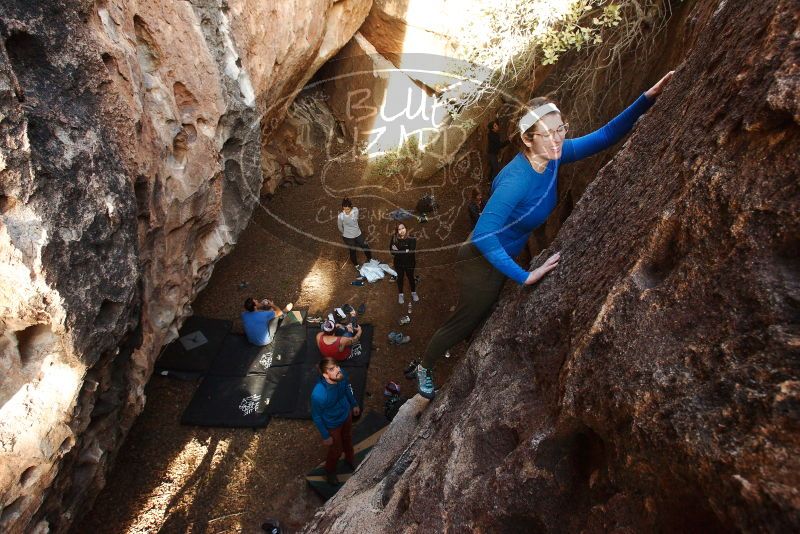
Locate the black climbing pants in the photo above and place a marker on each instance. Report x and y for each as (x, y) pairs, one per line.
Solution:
(357, 243)
(480, 285)
(407, 271)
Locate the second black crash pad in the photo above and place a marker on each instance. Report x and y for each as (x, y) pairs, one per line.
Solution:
(229, 402)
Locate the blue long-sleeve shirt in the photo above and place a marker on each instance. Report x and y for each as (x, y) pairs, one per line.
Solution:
(331, 404)
(522, 198)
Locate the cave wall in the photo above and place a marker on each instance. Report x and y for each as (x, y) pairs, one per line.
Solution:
(649, 383)
(131, 158)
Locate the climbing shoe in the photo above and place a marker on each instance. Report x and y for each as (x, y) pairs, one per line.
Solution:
(425, 383)
(397, 338)
(414, 296)
(410, 372)
(401, 298)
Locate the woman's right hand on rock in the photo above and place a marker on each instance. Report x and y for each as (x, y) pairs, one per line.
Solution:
(656, 90)
(538, 273)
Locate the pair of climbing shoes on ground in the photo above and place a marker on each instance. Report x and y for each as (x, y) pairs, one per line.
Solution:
(397, 338)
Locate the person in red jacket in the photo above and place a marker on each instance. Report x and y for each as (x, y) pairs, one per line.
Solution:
(337, 347)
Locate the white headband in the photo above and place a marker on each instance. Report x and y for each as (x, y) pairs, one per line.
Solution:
(530, 118)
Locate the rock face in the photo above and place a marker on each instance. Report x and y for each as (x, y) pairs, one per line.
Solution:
(655, 384)
(289, 156)
(130, 160)
(395, 27)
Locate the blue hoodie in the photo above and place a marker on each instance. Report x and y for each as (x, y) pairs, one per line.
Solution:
(522, 198)
(331, 404)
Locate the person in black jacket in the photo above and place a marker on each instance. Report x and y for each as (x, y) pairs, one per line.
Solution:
(476, 205)
(496, 143)
(404, 250)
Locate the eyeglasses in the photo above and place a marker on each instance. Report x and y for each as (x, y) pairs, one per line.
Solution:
(561, 131)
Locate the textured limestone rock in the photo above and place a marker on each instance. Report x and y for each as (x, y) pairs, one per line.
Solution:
(130, 160)
(290, 154)
(397, 27)
(650, 382)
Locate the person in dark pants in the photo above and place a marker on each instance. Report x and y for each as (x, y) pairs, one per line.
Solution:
(493, 151)
(347, 221)
(404, 250)
(333, 407)
(523, 196)
(476, 205)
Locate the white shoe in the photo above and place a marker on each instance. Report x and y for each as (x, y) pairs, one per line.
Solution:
(414, 296)
(401, 298)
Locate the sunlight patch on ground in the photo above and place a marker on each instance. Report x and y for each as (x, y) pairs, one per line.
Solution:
(169, 494)
(318, 284)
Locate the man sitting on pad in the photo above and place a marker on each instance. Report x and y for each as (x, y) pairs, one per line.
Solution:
(257, 319)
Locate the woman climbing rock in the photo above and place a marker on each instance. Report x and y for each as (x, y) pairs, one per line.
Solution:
(523, 196)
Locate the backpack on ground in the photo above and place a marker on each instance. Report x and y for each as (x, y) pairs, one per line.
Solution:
(392, 406)
(427, 204)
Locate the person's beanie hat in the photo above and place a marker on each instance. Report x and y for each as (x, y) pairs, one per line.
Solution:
(328, 326)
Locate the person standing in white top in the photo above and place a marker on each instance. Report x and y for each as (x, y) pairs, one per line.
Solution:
(351, 233)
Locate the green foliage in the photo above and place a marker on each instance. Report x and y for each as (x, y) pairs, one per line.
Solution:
(571, 34)
(511, 37)
(399, 161)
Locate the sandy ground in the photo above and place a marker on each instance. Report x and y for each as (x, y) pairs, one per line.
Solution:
(172, 478)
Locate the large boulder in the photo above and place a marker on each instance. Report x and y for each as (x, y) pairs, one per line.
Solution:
(130, 161)
(652, 381)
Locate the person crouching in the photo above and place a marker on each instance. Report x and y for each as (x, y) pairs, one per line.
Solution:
(338, 347)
